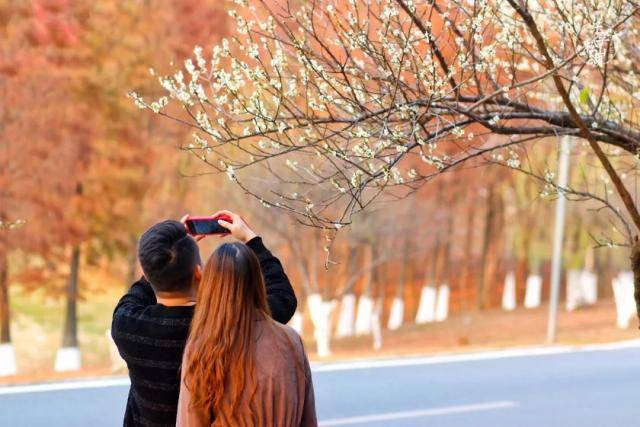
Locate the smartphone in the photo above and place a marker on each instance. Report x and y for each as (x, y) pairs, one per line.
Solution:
(204, 225)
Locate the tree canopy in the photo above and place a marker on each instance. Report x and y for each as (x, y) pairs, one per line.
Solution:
(343, 103)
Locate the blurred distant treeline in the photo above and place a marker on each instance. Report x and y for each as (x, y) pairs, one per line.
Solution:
(88, 173)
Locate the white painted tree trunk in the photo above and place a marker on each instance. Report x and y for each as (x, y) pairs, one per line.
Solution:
(7, 360)
(427, 305)
(68, 359)
(589, 287)
(533, 295)
(347, 316)
(442, 304)
(623, 297)
(320, 312)
(396, 315)
(574, 290)
(363, 317)
(296, 322)
(376, 325)
(582, 289)
(509, 292)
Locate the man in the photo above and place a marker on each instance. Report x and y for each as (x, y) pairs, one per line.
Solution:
(151, 321)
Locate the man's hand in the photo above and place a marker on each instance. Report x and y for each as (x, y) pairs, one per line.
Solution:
(238, 227)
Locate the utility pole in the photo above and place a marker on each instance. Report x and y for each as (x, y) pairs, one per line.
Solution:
(558, 237)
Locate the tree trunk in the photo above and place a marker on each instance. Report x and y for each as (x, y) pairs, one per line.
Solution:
(486, 246)
(522, 272)
(70, 337)
(603, 270)
(379, 288)
(364, 310)
(403, 271)
(445, 266)
(635, 267)
(320, 312)
(396, 312)
(425, 312)
(431, 275)
(313, 266)
(5, 334)
(369, 260)
(347, 315)
(492, 247)
(468, 254)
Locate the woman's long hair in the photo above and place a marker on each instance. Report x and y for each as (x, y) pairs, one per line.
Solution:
(219, 351)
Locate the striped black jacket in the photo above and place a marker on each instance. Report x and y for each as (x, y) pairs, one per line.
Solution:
(151, 339)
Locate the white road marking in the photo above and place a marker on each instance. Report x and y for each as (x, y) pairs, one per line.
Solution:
(470, 357)
(432, 412)
(352, 365)
(67, 385)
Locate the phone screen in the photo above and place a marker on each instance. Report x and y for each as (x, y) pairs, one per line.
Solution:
(205, 226)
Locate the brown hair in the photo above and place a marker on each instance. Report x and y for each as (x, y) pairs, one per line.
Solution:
(219, 351)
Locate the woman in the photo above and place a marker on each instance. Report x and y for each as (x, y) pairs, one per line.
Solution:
(241, 368)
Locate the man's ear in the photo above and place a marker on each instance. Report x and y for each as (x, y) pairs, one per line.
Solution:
(197, 276)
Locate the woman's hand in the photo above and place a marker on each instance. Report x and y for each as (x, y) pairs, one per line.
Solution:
(238, 227)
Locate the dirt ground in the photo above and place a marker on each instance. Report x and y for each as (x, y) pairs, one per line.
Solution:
(491, 329)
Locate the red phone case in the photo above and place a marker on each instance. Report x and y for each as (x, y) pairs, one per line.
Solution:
(202, 218)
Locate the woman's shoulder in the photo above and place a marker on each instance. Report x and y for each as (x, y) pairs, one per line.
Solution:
(286, 329)
(284, 333)
(280, 354)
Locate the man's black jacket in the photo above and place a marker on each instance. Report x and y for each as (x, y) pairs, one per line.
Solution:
(151, 339)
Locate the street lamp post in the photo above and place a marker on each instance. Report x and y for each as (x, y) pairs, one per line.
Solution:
(558, 237)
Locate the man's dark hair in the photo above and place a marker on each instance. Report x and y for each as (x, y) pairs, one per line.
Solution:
(168, 256)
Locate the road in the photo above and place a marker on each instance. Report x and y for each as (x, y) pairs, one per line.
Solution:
(558, 386)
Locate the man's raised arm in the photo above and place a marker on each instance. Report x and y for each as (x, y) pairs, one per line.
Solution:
(282, 300)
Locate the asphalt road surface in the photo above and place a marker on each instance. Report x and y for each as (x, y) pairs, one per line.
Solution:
(558, 386)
